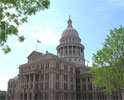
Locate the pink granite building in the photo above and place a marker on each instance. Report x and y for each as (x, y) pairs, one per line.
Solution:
(57, 77)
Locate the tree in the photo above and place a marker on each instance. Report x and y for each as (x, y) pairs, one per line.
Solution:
(14, 13)
(108, 63)
(2, 96)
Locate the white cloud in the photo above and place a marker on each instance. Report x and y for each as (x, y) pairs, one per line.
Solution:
(3, 82)
(47, 35)
(116, 3)
(1, 52)
(21, 30)
(110, 5)
(88, 63)
(18, 44)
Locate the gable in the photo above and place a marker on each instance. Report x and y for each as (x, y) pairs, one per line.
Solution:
(34, 55)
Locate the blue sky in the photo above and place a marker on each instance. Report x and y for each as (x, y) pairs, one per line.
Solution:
(93, 20)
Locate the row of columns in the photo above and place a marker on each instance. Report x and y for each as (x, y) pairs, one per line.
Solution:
(27, 81)
(70, 40)
(29, 96)
(70, 51)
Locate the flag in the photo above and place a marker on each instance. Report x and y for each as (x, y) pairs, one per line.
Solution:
(38, 41)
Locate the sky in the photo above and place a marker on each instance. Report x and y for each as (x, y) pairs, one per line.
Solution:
(93, 20)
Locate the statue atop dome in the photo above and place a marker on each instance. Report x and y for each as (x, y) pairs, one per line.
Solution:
(69, 22)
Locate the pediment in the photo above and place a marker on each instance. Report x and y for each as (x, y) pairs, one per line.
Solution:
(34, 55)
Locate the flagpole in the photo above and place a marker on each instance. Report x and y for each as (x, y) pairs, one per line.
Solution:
(36, 45)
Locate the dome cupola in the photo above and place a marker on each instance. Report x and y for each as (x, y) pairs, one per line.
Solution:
(70, 46)
(69, 31)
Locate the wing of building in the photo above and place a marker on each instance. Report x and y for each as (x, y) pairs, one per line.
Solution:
(57, 77)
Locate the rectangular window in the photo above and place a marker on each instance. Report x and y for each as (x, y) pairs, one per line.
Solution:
(42, 66)
(71, 79)
(37, 77)
(71, 69)
(37, 86)
(65, 67)
(42, 77)
(78, 80)
(78, 96)
(72, 96)
(31, 86)
(83, 79)
(65, 96)
(83, 87)
(57, 85)
(41, 86)
(47, 65)
(47, 76)
(57, 76)
(89, 78)
(46, 96)
(71, 86)
(78, 88)
(57, 96)
(84, 96)
(47, 85)
(90, 96)
(65, 86)
(90, 87)
(65, 78)
(57, 65)
(41, 96)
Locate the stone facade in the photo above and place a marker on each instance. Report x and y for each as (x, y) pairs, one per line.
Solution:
(57, 77)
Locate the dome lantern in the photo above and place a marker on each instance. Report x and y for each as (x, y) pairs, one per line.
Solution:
(69, 31)
(69, 22)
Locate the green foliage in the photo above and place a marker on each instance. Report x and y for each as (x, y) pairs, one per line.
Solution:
(108, 63)
(2, 96)
(14, 13)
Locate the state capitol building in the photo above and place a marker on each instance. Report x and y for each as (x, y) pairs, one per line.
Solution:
(57, 77)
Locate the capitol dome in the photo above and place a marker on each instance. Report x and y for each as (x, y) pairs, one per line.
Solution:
(70, 31)
(70, 46)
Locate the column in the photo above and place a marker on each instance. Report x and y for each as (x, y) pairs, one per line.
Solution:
(72, 50)
(33, 95)
(67, 50)
(28, 96)
(57, 52)
(63, 51)
(29, 84)
(33, 81)
(80, 51)
(87, 83)
(23, 96)
(76, 51)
